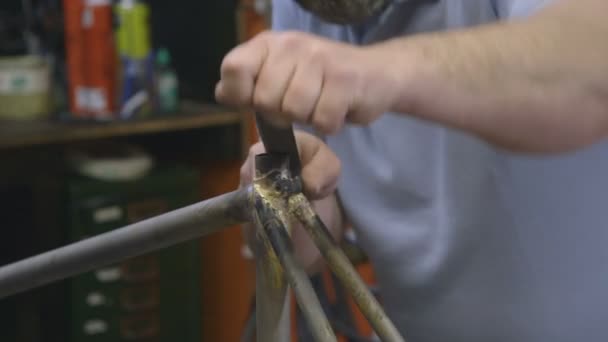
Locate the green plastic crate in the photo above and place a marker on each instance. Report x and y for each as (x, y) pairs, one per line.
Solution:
(155, 297)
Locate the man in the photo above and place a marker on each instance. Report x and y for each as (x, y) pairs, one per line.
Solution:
(469, 156)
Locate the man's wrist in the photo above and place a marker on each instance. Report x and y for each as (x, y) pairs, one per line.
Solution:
(404, 71)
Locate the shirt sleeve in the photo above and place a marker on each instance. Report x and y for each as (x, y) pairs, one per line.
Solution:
(286, 15)
(508, 9)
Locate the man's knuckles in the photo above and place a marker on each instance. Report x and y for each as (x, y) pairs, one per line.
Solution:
(299, 101)
(265, 101)
(236, 64)
(289, 41)
(328, 122)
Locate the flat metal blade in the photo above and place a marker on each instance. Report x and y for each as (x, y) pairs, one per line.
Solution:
(280, 141)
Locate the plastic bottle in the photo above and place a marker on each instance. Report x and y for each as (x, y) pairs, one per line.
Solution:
(166, 83)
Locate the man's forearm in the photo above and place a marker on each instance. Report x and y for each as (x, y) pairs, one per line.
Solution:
(536, 85)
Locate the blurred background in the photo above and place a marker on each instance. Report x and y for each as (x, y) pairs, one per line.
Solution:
(107, 117)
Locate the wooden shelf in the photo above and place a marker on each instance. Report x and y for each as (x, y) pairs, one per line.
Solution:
(26, 134)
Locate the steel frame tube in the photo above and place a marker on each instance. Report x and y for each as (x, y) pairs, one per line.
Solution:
(272, 203)
(177, 226)
(272, 290)
(300, 283)
(343, 269)
(271, 295)
(273, 186)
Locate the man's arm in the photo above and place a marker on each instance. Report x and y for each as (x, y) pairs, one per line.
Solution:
(537, 85)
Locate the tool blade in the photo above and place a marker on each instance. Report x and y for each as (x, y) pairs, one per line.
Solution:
(281, 141)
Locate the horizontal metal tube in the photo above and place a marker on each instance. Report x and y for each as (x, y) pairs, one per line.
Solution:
(156, 233)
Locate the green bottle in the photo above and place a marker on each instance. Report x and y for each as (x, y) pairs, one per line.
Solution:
(166, 83)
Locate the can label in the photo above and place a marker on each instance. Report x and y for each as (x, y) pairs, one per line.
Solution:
(23, 82)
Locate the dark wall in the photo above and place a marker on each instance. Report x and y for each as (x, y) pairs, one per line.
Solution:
(198, 33)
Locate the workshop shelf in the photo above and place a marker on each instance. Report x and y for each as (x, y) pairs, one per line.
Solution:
(17, 134)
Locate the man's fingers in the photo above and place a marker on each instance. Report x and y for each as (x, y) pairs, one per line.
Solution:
(247, 171)
(294, 77)
(333, 105)
(239, 70)
(321, 174)
(303, 92)
(321, 167)
(271, 85)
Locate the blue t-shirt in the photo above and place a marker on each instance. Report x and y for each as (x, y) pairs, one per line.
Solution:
(471, 243)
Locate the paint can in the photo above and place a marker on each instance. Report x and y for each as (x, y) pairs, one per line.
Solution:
(25, 88)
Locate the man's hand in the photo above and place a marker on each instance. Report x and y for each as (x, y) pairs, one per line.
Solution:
(320, 172)
(320, 166)
(531, 85)
(297, 77)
